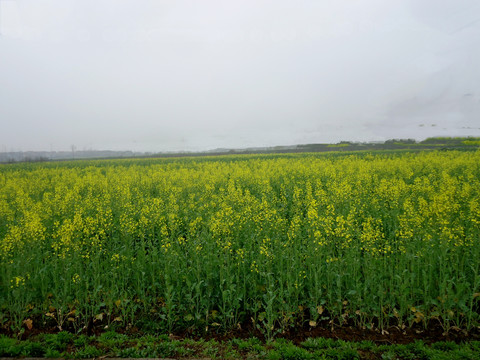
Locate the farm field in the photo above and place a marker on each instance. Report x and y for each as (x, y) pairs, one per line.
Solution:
(270, 243)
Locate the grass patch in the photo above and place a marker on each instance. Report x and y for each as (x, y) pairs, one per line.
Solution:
(111, 344)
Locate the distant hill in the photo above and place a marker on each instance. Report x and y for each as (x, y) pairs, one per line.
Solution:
(439, 143)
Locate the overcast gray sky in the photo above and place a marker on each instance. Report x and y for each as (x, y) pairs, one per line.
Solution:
(153, 75)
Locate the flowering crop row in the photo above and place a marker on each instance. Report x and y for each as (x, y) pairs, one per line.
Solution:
(274, 241)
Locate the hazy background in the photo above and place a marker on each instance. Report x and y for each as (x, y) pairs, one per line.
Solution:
(152, 75)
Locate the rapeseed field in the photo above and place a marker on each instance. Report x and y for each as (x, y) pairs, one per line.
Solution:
(215, 243)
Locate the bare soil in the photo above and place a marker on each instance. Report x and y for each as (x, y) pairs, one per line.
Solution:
(431, 333)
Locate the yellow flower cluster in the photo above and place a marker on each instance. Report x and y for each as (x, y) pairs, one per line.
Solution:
(291, 219)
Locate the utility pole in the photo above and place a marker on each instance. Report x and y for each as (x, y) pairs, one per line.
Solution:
(73, 151)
